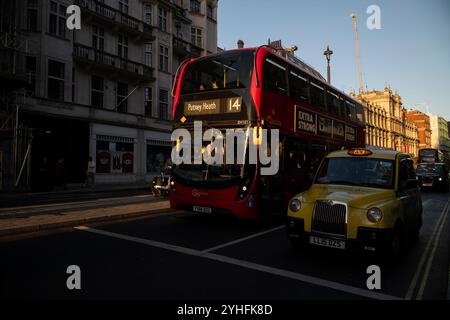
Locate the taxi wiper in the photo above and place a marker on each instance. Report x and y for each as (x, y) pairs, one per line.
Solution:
(342, 182)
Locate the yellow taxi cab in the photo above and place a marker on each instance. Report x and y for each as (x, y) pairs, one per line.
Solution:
(360, 199)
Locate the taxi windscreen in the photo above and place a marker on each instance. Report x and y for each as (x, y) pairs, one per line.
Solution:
(364, 172)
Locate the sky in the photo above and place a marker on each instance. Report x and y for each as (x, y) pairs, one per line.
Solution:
(411, 51)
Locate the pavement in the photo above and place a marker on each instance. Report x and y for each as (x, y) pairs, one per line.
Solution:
(75, 191)
(62, 210)
(183, 256)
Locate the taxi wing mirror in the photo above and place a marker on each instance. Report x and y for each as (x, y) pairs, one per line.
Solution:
(412, 183)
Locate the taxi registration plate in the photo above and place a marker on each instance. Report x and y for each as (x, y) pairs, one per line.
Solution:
(324, 242)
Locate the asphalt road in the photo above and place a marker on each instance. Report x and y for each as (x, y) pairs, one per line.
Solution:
(186, 256)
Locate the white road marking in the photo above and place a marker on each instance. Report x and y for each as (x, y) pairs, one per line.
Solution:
(248, 265)
(244, 239)
(431, 257)
(423, 258)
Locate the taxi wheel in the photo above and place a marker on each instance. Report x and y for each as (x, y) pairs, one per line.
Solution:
(398, 243)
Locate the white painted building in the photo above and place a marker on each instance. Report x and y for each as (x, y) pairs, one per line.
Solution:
(439, 133)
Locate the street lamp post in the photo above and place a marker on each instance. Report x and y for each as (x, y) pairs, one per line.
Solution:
(327, 53)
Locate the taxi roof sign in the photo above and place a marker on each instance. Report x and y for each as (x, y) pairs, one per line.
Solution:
(360, 152)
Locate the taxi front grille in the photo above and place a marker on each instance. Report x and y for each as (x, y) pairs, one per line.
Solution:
(329, 217)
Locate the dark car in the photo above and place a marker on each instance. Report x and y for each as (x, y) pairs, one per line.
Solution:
(433, 175)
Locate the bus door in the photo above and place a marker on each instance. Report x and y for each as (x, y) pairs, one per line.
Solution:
(296, 166)
(272, 197)
(317, 153)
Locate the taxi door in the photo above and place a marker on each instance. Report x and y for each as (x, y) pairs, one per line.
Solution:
(409, 193)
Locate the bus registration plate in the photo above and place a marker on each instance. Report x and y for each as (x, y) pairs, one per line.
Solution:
(330, 243)
(201, 209)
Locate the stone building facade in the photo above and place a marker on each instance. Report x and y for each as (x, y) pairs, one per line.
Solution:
(422, 122)
(103, 91)
(387, 124)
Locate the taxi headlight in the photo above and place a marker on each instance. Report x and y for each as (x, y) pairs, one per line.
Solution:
(374, 215)
(295, 205)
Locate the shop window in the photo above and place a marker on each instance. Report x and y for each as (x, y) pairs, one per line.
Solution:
(115, 157)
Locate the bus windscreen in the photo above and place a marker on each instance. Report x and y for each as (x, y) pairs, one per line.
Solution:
(227, 71)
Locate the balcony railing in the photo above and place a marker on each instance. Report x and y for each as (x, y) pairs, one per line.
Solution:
(108, 13)
(108, 60)
(185, 48)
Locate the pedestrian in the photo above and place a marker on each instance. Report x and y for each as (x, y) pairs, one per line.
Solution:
(60, 174)
(90, 174)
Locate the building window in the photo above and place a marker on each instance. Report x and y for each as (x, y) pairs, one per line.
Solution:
(97, 88)
(163, 58)
(148, 54)
(30, 69)
(210, 11)
(162, 18)
(55, 80)
(163, 104)
(98, 38)
(195, 6)
(57, 21)
(148, 16)
(196, 37)
(32, 15)
(123, 6)
(122, 47)
(122, 93)
(148, 99)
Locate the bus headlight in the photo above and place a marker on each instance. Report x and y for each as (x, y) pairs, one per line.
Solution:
(295, 205)
(374, 215)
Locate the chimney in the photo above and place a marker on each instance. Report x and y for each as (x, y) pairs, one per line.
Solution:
(240, 44)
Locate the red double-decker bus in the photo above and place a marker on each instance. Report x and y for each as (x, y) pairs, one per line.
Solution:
(258, 88)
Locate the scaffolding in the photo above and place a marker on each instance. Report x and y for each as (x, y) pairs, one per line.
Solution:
(15, 139)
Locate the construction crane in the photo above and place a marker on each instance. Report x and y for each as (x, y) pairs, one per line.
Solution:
(358, 53)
